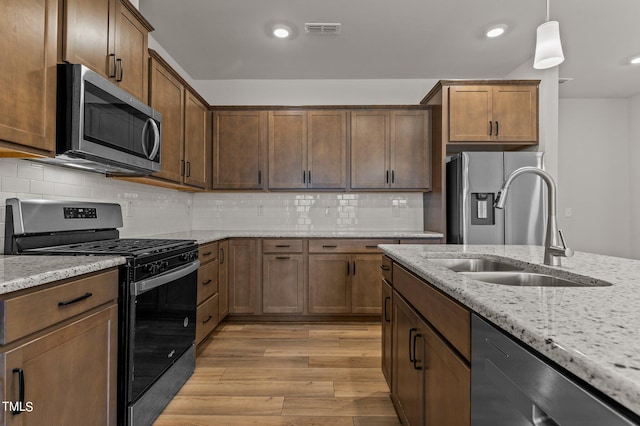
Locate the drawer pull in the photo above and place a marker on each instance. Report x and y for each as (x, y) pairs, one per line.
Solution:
(20, 390)
(207, 282)
(385, 268)
(371, 247)
(76, 300)
(221, 256)
(207, 320)
(329, 246)
(209, 253)
(283, 257)
(282, 246)
(415, 358)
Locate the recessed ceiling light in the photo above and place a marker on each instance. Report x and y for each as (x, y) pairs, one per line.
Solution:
(496, 31)
(281, 31)
(635, 61)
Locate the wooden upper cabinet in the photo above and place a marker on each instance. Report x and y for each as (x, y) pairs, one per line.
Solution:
(410, 150)
(110, 37)
(307, 149)
(131, 41)
(239, 149)
(390, 150)
(197, 141)
(185, 155)
(493, 113)
(369, 149)
(287, 149)
(327, 149)
(28, 75)
(167, 96)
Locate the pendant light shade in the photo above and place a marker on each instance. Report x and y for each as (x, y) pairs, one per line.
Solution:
(548, 46)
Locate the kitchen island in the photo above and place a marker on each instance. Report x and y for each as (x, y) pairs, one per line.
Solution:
(593, 332)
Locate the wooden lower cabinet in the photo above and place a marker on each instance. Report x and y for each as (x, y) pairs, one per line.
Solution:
(329, 284)
(243, 276)
(283, 283)
(430, 382)
(387, 331)
(344, 284)
(223, 280)
(66, 372)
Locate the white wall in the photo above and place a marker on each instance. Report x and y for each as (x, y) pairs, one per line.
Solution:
(314, 92)
(634, 175)
(594, 175)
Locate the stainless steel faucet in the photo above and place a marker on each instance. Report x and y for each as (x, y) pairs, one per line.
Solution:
(554, 244)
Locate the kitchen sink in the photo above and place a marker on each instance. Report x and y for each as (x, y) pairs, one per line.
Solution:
(475, 265)
(529, 279)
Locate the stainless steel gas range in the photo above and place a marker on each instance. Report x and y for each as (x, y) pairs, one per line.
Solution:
(157, 296)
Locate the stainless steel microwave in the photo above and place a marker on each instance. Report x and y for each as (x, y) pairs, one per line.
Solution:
(102, 128)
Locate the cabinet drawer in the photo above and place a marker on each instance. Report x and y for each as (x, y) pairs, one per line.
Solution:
(207, 252)
(281, 245)
(206, 318)
(207, 281)
(347, 245)
(26, 314)
(387, 269)
(449, 317)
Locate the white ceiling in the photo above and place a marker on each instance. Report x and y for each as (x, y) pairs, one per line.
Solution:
(399, 39)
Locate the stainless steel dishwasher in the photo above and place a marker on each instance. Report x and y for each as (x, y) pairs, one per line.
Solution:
(512, 386)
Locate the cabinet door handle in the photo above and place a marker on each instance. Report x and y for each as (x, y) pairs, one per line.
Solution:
(393, 176)
(415, 359)
(490, 128)
(497, 128)
(20, 390)
(348, 267)
(207, 282)
(385, 310)
(207, 320)
(411, 341)
(387, 176)
(283, 257)
(76, 300)
(112, 65)
(221, 256)
(182, 167)
(385, 268)
(188, 168)
(304, 176)
(259, 177)
(309, 172)
(121, 68)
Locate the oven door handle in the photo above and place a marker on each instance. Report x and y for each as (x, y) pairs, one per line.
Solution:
(143, 286)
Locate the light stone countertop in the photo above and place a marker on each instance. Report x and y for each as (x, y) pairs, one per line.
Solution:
(23, 272)
(594, 332)
(203, 237)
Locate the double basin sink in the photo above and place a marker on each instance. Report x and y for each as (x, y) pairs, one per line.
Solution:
(498, 272)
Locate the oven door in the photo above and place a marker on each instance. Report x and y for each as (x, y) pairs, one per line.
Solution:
(162, 324)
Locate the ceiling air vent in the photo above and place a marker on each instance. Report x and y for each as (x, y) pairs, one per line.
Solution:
(322, 28)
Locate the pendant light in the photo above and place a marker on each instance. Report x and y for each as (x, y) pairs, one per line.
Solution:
(548, 46)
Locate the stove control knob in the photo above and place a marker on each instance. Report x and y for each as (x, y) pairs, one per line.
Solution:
(184, 256)
(163, 266)
(194, 255)
(149, 268)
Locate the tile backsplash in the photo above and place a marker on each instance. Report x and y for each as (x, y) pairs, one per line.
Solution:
(151, 210)
(308, 211)
(146, 209)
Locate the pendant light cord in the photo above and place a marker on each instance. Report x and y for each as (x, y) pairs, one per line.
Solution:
(547, 11)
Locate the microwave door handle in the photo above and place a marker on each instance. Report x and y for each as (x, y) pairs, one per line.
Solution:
(142, 137)
(156, 139)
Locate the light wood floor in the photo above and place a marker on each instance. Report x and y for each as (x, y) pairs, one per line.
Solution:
(286, 374)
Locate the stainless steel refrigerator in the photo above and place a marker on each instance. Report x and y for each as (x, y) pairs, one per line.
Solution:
(473, 181)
